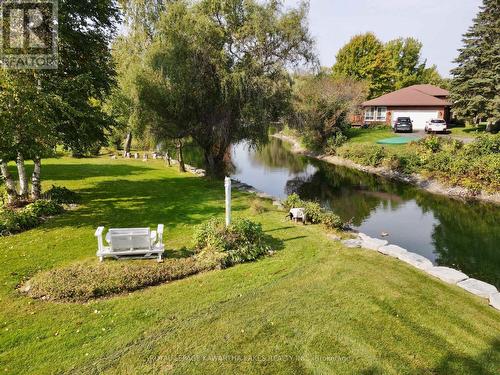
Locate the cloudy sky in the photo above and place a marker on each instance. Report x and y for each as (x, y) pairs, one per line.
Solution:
(438, 24)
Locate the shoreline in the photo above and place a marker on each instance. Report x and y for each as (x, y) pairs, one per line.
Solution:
(428, 184)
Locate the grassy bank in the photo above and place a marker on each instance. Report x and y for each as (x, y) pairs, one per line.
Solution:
(313, 307)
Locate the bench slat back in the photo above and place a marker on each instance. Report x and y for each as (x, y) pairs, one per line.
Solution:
(130, 239)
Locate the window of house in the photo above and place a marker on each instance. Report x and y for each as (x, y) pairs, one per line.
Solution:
(376, 113)
(370, 113)
(381, 113)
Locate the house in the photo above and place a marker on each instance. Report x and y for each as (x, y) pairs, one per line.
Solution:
(419, 102)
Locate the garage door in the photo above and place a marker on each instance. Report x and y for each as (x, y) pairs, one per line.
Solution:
(419, 118)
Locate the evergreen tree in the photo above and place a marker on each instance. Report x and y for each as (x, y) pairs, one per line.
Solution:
(476, 79)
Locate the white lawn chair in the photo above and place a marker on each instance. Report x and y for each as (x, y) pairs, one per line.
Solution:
(130, 242)
(297, 214)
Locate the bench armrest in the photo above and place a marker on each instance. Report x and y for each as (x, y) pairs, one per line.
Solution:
(98, 234)
(159, 231)
(99, 231)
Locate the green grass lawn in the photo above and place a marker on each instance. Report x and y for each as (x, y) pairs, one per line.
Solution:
(468, 131)
(312, 308)
(360, 135)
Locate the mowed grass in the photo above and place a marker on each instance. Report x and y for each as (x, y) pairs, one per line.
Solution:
(468, 131)
(360, 135)
(312, 308)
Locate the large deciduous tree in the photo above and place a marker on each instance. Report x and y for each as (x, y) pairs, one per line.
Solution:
(42, 108)
(365, 58)
(476, 80)
(385, 67)
(406, 62)
(220, 69)
(129, 50)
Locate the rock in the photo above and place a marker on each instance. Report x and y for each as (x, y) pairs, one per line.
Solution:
(416, 260)
(448, 275)
(352, 243)
(26, 287)
(392, 250)
(495, 301)
(477, 287)
(371, 243)
(333, 237)
(263, 195)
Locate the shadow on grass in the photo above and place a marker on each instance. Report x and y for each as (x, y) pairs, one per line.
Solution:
(123, 203)
(454, 363)
(486, 363)
(78, 171)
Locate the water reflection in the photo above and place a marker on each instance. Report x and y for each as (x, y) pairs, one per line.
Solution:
(449, 232)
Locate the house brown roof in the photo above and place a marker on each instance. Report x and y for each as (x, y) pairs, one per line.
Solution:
(417, 96)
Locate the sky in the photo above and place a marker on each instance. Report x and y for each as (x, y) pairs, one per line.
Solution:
(438, 24)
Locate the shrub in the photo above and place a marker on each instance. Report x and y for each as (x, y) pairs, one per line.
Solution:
(431, 143)
(331, 221)
(257, 207)
(292, 201)
(43, 207)
(406, 162)
(313, 212)
(242, 241)
(84, 281)
(61, 195)
(484, 145)
(363, 154)
(15, 221)
(333, 143)
(12, 221)
(376, 125)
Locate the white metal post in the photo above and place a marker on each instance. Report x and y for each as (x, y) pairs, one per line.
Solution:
(227, 185)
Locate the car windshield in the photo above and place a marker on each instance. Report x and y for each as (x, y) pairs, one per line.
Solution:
(437, 121)
(404, 119)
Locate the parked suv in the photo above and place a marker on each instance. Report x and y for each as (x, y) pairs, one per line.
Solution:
(435, 125)
(403, 124)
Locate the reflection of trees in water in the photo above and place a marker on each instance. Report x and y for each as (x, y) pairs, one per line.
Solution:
(350, 193)
(467, 236)
(275, 155)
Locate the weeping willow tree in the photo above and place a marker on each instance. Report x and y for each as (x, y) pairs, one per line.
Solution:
(140, 19)
(217, 71)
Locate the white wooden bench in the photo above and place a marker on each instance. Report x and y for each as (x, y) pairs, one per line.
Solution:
(130, 242)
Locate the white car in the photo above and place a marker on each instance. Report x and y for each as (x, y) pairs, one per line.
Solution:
(435, 125)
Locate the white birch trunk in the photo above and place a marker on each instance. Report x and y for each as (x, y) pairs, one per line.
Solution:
(9, 183)
(23, 177)
(36, 186)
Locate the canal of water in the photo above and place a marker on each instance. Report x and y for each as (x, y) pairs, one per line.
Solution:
(449, 232)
